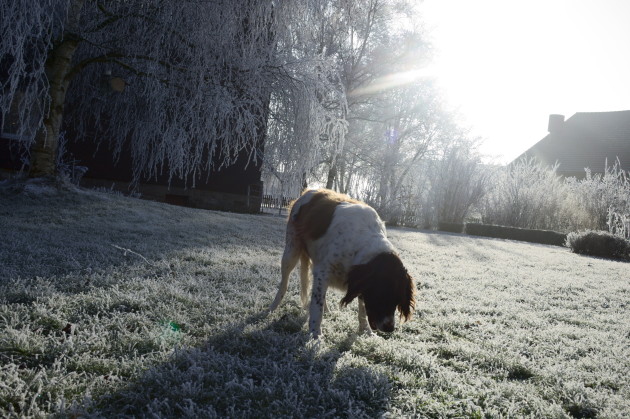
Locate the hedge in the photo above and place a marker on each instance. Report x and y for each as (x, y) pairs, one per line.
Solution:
(514, 233)
(451, 227)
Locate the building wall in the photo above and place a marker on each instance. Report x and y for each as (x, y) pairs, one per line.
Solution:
(235, 188)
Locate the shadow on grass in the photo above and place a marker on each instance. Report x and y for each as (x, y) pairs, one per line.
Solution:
(255, 368)
(69, 242)
(472, 244)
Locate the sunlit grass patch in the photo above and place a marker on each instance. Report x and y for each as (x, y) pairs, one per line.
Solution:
(135, 308)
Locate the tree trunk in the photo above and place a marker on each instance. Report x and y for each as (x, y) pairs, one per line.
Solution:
(332, 172)
(58, 66)
(44, 152)
(304, 181)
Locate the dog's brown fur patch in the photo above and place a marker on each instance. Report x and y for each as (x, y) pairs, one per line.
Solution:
(314, 217)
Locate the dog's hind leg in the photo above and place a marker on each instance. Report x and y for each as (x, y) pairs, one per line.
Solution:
(290, 258)
(318, 298)
(305, 281)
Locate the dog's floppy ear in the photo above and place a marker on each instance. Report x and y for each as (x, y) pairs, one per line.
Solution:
(408, 303)
(357, 281)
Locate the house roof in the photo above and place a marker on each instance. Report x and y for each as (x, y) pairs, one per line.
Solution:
(586, 140)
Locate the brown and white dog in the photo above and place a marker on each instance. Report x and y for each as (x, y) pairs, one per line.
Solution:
(346, 242)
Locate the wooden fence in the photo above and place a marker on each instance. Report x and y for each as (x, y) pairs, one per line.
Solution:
(275, 204)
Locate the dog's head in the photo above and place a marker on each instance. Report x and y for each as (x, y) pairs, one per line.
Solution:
(384, 285)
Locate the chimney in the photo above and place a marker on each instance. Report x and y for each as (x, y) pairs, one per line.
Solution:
(555, 123)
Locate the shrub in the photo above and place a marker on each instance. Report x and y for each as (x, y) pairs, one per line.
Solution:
(605, 197)
(599, 243)
(458, 184)
(527, 194)
(619, 224)
(444, 188)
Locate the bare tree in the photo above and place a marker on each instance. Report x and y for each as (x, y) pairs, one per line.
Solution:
(188, 85)
(406, 126)
(363, 41)
(528, 194)
(459, 182)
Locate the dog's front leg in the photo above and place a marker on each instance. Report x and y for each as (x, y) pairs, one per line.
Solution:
(318, 300)
(364, 326)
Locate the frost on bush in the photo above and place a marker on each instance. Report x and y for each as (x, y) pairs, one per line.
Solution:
(618, 223)
(599, 243)
(606, 198)
(527, 194)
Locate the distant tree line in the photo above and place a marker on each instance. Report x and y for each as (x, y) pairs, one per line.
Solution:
(323, 92)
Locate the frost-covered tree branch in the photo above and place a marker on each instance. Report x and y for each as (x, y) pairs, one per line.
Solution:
(201, 80)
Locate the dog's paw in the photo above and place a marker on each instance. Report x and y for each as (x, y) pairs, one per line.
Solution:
(367, 331)
(315, 335)
(273, 306)
(315, 344)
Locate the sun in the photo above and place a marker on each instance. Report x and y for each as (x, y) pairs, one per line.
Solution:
(506, 66)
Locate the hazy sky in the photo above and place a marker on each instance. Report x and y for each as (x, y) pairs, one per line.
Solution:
(508, 64)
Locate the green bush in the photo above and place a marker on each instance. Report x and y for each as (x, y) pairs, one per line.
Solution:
(599, 243)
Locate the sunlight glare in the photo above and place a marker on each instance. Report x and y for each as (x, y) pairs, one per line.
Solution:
(391, 81)
(506, 66)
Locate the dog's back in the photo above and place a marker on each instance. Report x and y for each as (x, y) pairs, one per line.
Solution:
(312, 213)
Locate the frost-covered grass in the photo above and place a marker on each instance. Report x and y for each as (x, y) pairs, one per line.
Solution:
(112, 306)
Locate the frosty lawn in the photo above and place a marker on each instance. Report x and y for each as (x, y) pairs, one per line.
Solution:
(116, 306)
